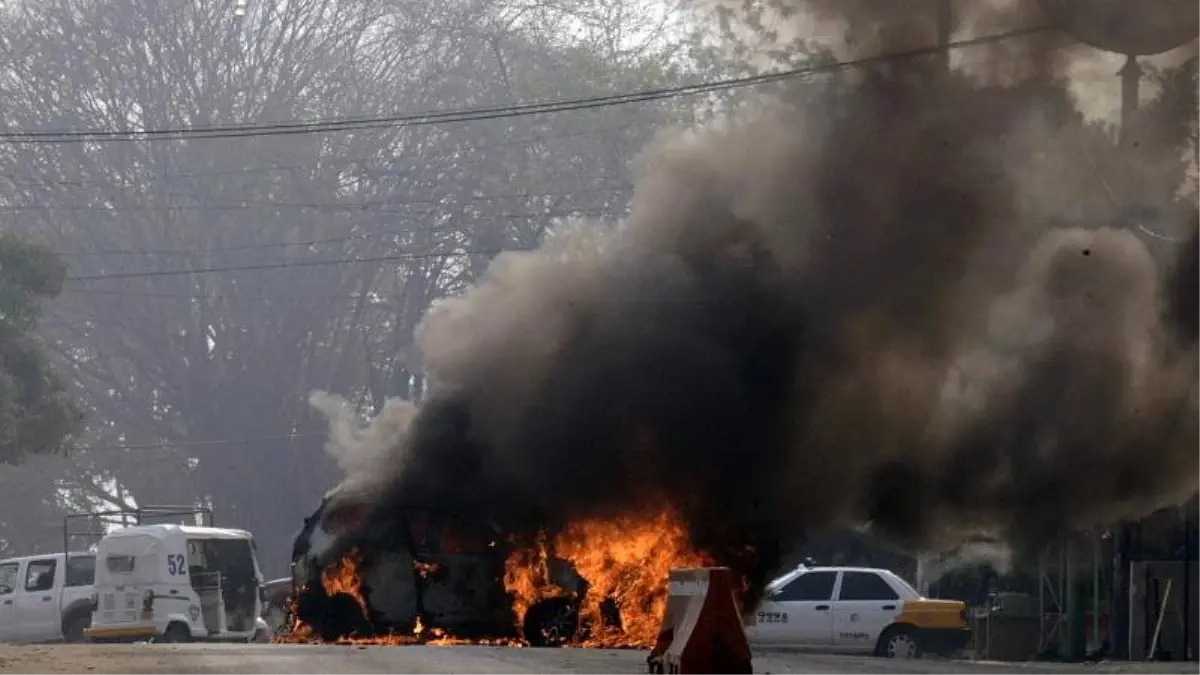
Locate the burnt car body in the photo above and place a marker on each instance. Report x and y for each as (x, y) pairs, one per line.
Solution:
(424, 564)
(275, 604)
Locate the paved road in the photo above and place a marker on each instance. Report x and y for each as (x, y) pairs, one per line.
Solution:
(461, 659)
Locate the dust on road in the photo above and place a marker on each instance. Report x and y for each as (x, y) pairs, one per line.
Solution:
(227, 658)
(82, 659)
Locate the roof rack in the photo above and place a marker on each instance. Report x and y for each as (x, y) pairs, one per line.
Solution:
(128, 517)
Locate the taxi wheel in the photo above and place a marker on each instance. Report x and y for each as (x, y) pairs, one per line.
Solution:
(899, 642)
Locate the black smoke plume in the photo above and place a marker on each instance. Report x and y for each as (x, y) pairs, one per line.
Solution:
(816, 320)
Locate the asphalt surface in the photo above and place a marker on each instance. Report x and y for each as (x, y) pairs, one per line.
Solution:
(199, 658)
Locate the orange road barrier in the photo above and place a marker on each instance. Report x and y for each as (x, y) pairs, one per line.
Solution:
(702, 628)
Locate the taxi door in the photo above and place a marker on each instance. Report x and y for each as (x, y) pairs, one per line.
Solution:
(866, 605)
(797, 614)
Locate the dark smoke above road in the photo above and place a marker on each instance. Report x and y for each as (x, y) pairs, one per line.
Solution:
(814, 321)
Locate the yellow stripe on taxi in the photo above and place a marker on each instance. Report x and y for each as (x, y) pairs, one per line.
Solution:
(926, 613)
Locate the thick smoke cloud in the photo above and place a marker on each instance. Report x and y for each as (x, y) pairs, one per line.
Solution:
(810, 321)
(360, 452)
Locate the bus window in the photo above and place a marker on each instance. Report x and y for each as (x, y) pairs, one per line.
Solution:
(119, 564)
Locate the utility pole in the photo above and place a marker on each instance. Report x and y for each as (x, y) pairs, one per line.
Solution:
(1131, 79)
(1119, 617)
(1096, 555)
(945, 29)
(1187, 580)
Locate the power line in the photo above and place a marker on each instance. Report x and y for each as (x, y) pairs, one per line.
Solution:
(410, 256)
(266, 206)
(624, 189)
(189, 444)
(374, 206)
(488, 112)
(248, 247)
(598, 211)
(395, 257)
(370, 296)
(199, 207)
(319, 163)
(312, 263)
(361, 236)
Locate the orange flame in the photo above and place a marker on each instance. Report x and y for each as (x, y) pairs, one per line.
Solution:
(297, 630)
(527, 578)
(626, 559)
(426, 568)
(344, 577)
(341, 577)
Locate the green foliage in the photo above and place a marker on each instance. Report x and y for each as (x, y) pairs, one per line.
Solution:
(36, 414)
(29, 272)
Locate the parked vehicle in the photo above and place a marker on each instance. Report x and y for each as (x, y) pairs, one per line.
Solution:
(275, 608)
(46, 598)
(856, 609)
(425, 566)
(177, 583)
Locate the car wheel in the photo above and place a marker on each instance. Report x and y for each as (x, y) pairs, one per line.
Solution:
(74, 627)
(177, 632)
(343, 618)
(899, 642)
(551, 623)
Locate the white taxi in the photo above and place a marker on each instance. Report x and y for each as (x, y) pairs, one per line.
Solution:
(859, 609)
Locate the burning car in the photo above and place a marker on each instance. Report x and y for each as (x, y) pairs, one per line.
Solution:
(424, 571)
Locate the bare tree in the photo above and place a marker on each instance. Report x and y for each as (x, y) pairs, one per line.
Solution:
(218, 362)
(229, 355)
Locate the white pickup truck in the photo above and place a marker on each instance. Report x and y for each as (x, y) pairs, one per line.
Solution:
(46, 598)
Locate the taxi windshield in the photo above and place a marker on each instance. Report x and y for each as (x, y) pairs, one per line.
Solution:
(780, 581)
(899, 580)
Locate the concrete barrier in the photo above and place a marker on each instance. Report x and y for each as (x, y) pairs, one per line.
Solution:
(702, 628)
